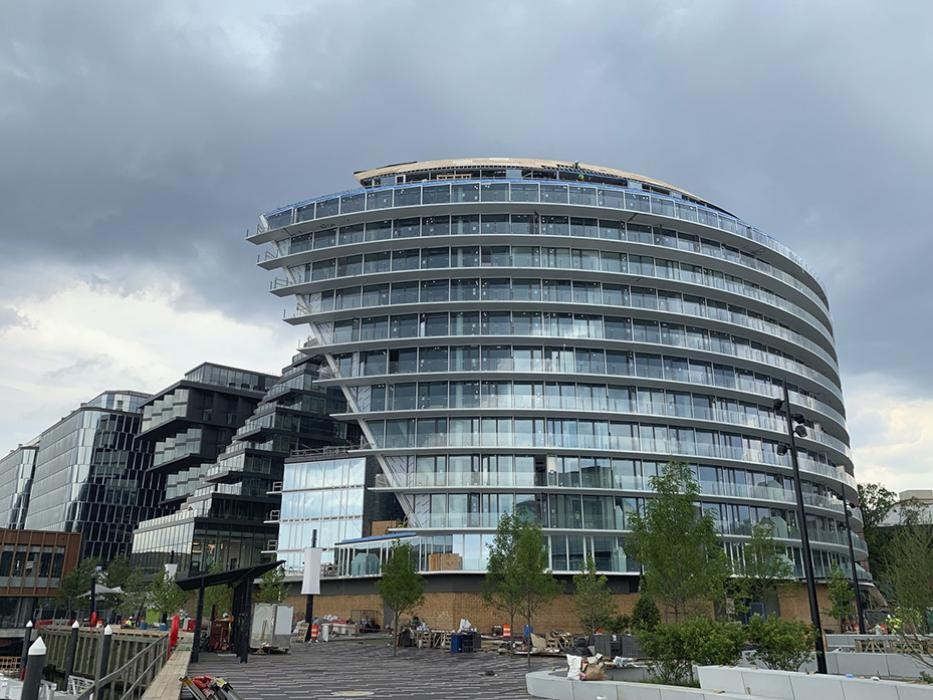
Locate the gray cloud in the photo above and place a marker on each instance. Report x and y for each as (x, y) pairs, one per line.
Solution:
(151, 134)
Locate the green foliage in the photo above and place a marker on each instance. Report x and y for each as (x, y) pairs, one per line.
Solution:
(164, 594)
(910, 573)
(75, 584)
(218, 598)
(536, 583)
(764, 569)
(675, 647)
(781, 645)
(677, 544)
(875, 502)
(272, 586)
(592, 599)
(619, 624)
(135, 595)
(517, 577)
(118, 571)
(401, 586)
(841, 595)
(645, 615)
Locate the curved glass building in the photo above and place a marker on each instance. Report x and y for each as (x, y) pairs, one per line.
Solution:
(541, 336)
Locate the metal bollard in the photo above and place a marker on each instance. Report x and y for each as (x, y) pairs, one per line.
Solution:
(27, 640)
(103, 658)
(70, 651)
(35, 663)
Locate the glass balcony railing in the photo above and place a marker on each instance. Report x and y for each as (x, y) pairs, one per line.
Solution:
(635, 408)
(529, 191)
(674, 449)
(304, 312)
(602, 263)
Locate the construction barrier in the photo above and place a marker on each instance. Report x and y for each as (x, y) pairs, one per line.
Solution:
(507, 631)
(314, 632)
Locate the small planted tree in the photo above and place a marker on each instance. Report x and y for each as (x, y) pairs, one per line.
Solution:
(677, 544)
(502, 588)
(841, 596)
(764, 568)
(401, 586)
(593, 600)
(134, 598)
(164, 595)
(74, 585)
(645, 615)
(118, 571)
(518, 580)
(218, 599)
(272, 586)
(781, 645)
(910, 579)
(536, 584)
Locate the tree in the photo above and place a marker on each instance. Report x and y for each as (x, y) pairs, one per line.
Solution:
(118, 571)
(592, 599)
(272, 586)
(134, 595)
(764, 568)
(502, 587)
(781, 645)
(165, 595)
(910, 579)
(218, 599)
(677, 544)
(645, 615)
(75, 584)
(841, 596)
(401, 586)
(875, 502)
(536, 584)
(910, 573)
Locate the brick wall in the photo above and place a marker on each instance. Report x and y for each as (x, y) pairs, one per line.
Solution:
(443, 609)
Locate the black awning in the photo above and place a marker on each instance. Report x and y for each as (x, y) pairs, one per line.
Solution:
(230, 578)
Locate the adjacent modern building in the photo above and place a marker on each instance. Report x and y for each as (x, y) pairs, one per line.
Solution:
(542, 336)
(91, 476)
(32, 563)
(190, 424)
(237, 428)
(913, 506)
(328, 497)
(16, 471)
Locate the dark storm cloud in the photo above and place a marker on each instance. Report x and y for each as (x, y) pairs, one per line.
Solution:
(152, 134)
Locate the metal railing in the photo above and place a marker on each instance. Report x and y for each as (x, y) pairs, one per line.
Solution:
(132, 678)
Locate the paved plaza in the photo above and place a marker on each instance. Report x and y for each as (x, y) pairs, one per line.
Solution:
(350, 668)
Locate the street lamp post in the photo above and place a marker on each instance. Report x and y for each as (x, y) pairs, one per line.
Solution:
(792, 431)
(858, 594)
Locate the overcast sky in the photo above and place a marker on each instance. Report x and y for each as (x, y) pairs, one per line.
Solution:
(139, 141)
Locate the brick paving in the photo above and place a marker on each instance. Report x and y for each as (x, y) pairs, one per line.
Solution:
(348, 667)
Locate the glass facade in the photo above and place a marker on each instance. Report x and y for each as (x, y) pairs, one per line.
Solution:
(226, 508)
(92, 476)
(322, 500)
(510, 342)
(16, 472)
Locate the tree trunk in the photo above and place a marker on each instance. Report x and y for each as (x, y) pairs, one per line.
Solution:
(511, 632)
(395, 633)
